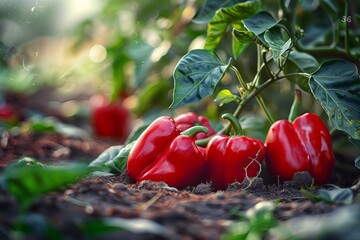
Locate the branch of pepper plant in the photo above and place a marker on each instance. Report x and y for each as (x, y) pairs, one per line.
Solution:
(256, 90)
(239, 77)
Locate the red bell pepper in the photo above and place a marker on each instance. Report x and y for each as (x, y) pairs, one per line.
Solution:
(109, 119)
(304, 145)
(163, 153)
(230, 159)
(8, 114)
(188, 120)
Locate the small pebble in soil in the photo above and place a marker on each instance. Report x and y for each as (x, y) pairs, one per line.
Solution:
(253, 183)
(203, 188)
(299, 180)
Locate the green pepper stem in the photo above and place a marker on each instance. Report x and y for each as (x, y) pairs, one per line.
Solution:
(234, 123)
(295, 108)
(194, 130)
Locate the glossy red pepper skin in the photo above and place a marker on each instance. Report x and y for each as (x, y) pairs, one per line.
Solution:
(162, 154)
(188, 120)
(304, 145)
(109, 119)
(228, 157)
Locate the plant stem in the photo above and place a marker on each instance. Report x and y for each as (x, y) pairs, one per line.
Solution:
(295, 107)
(263, 106)
(258, 66)
(239, 77)
(194, 130)
(256, 91)
(257, 76)
(235, 124)
(266, 65)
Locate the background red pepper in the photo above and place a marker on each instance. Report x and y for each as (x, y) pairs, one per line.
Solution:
(8, 114)
(188, 120)
(228, 157)
(162, 154)
(109, 119)
(304, 145)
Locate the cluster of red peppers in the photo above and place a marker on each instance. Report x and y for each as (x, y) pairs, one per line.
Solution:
(167, 151)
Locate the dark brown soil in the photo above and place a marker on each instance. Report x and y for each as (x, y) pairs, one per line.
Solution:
(193, 213)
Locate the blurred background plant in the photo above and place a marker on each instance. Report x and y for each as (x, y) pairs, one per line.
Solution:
(56, 55)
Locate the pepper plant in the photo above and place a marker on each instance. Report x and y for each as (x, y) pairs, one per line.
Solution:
(281, 55)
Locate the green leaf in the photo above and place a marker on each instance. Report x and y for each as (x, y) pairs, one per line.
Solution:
(27, 182)
(259, 24)
(42, 125)
(337, 86)
(334, 196)
(196, 76)
(229, 16)
(254, 224)
(243, 36)
(338, 196)
(276, 42)
(210, 7)
(98, 227)
(303, 62)
(136, 133)
(113, 159)
(225, 96)
(240, 40)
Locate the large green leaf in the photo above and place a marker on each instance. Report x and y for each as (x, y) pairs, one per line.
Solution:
(210, 7)
(113, 159)
(337, 86)
(28, 180)
(277, 44)
(229, 16)
(259, 24)
(196, 76)
(303, 62)
(334, 196)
